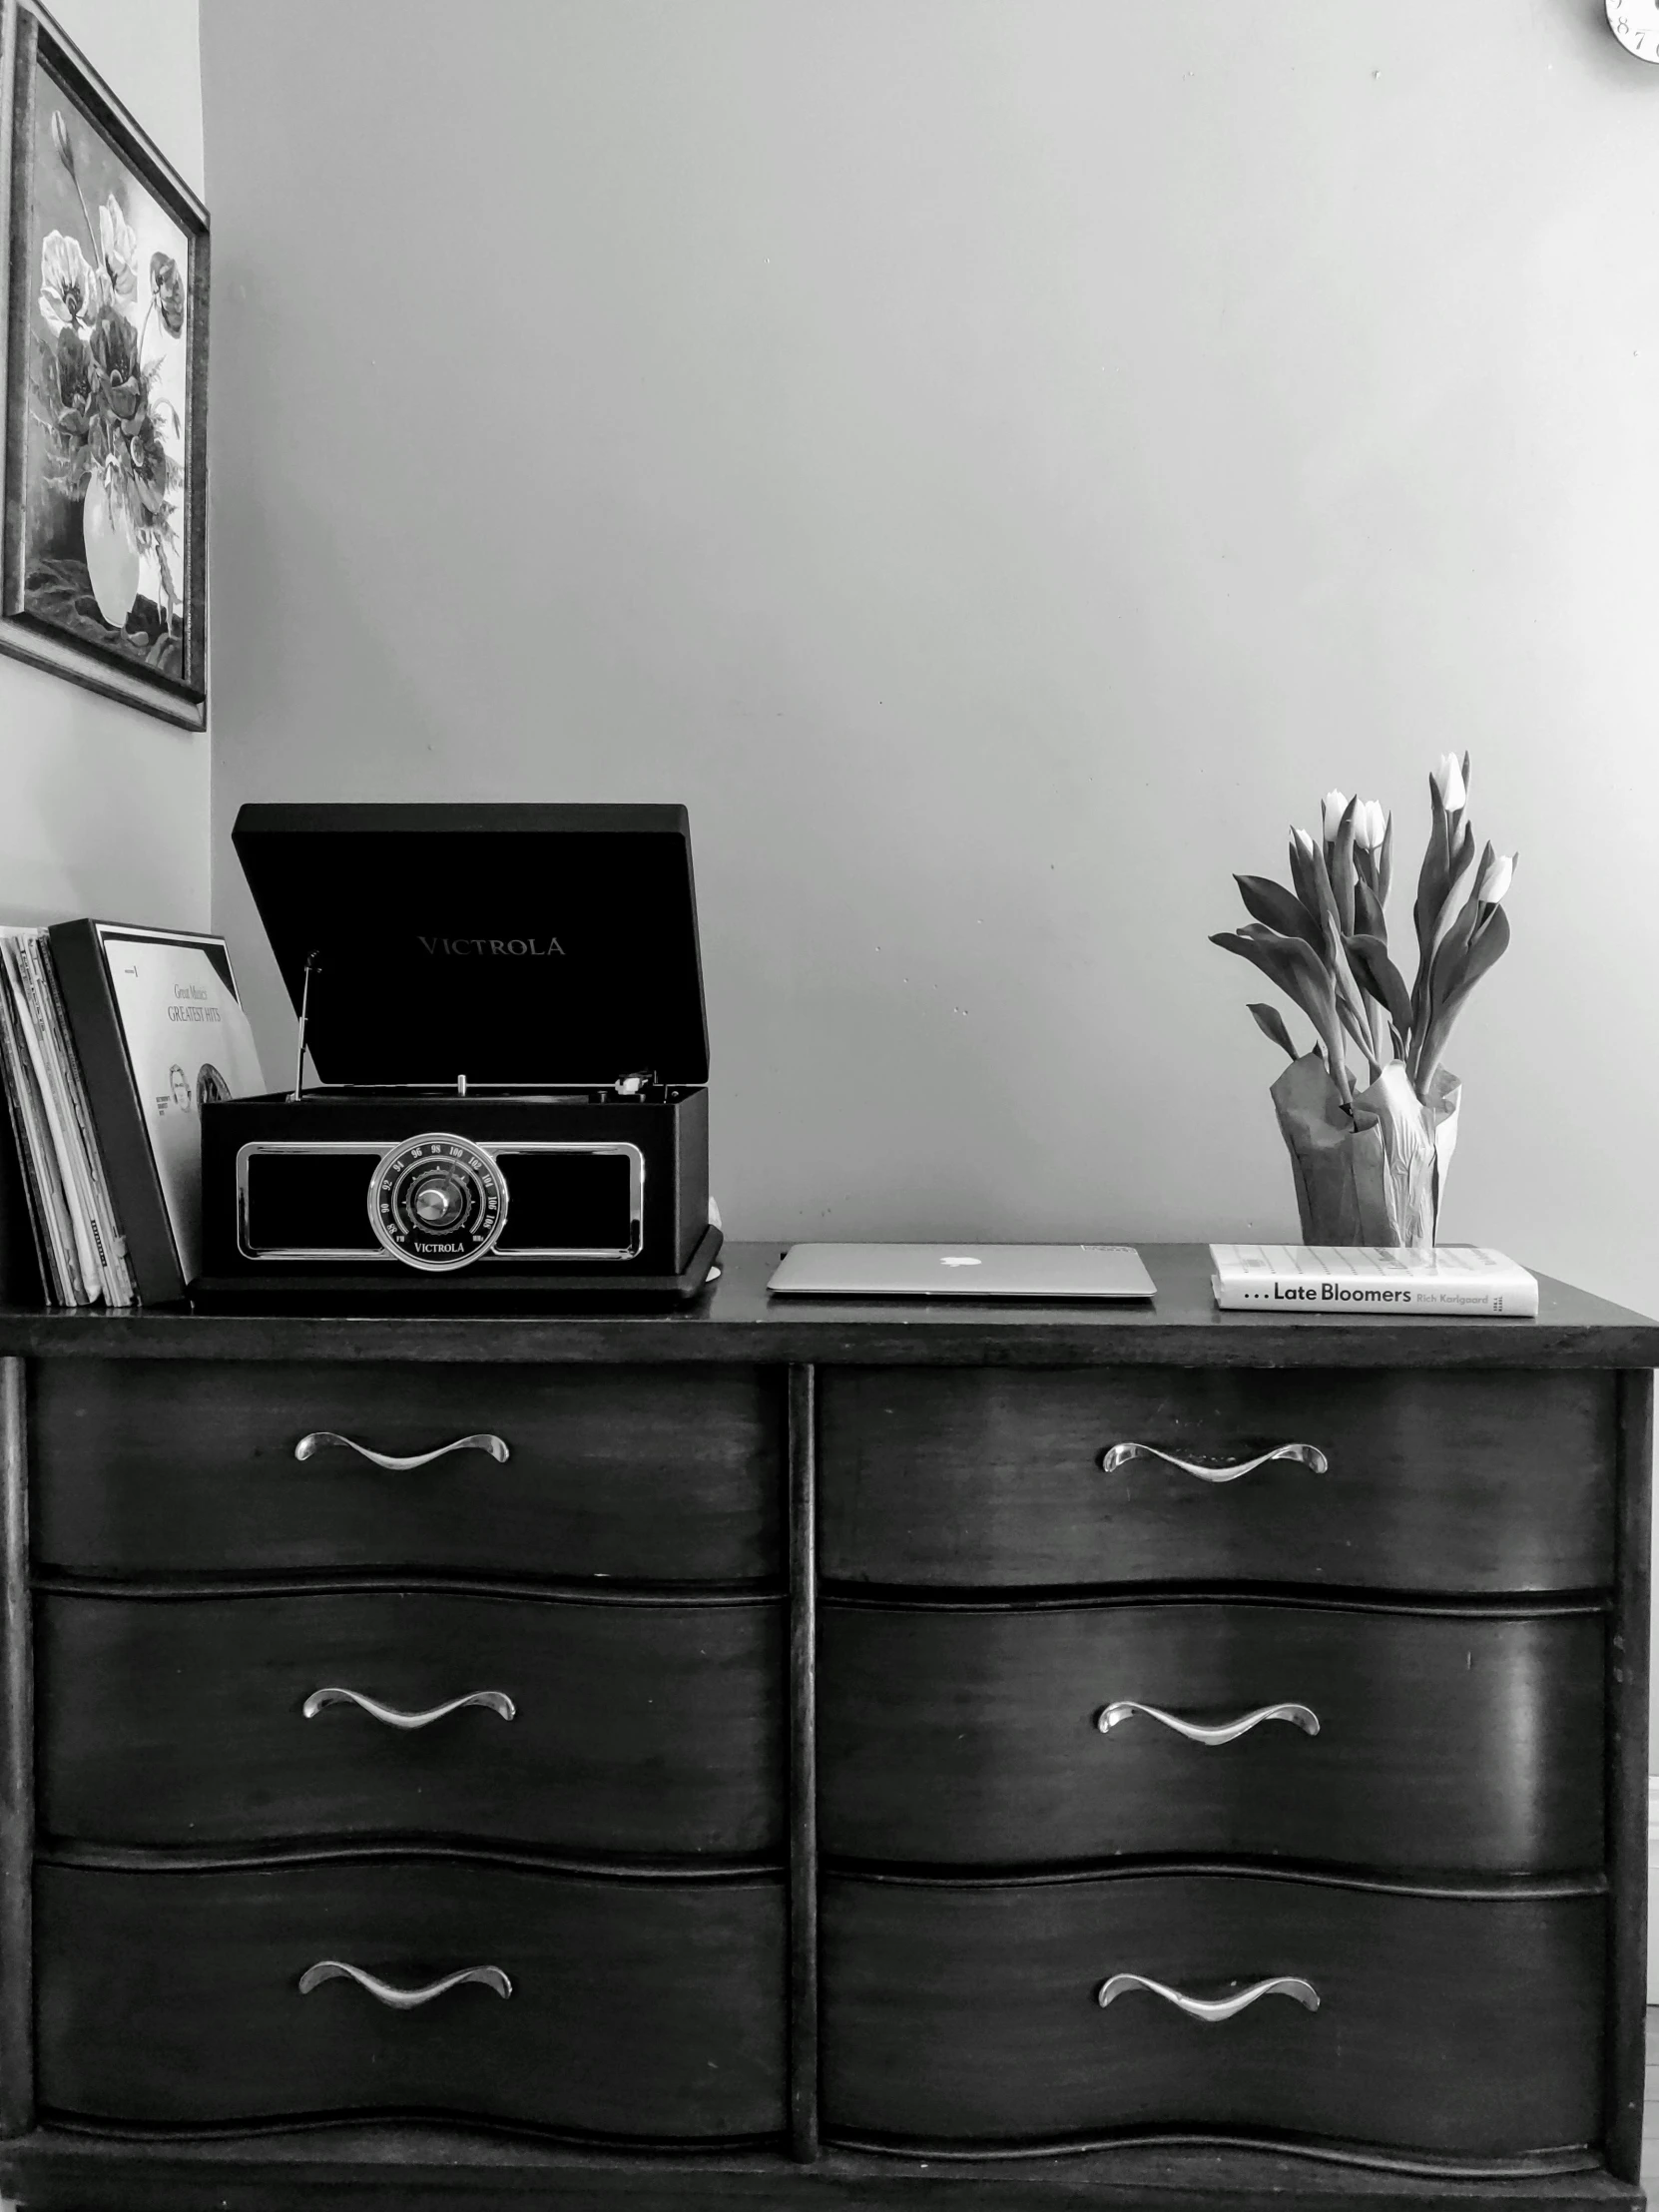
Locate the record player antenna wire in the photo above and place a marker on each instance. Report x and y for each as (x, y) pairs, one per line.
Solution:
(312, 962)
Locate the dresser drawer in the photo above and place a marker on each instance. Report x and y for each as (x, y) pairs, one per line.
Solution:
(638, 2009)
(666, 1474)
(1436, 1482)
(972, 1736)
(650, 1729)
(971, 2013)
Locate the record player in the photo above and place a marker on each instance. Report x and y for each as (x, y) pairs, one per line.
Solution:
(503, 1009)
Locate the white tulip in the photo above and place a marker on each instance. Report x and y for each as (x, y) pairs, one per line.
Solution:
(1335, 805)
(1371, 824)
(1448, 782)
(1496, 879)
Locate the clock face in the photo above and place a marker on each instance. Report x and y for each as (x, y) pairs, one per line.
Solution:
(1636, 26)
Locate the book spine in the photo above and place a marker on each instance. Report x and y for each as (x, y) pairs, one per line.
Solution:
(1519, 1301)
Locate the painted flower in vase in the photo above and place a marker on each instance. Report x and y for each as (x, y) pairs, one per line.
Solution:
(113, 439)
(1370, 1152)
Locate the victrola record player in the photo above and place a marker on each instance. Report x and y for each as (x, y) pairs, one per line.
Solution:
(503, 1007)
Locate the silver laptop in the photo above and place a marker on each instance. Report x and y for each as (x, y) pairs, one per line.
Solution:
(963, 1271)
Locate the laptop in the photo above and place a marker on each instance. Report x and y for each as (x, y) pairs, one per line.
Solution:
(1037, 1271)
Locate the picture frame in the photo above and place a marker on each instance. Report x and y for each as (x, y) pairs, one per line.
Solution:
(103, 386)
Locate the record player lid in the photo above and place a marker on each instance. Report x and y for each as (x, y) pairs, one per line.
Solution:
(527, 946)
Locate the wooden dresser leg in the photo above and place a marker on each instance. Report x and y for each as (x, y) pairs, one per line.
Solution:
(1627, 1739)
(17, 1782)
(804, 2121)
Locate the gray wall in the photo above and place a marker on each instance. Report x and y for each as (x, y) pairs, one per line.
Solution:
(106, 811)
(998, 461)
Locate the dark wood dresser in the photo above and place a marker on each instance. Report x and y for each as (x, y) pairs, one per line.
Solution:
(828, 1756)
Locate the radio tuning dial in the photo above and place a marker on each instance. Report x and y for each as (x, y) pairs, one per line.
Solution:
(437, 1202)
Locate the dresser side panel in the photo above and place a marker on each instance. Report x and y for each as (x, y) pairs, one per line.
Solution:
(17, 1793)
(1627, 1786)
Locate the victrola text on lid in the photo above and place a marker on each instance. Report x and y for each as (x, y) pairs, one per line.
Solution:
(503, 1008)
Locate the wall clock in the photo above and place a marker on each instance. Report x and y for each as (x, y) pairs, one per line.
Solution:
(1636, 26)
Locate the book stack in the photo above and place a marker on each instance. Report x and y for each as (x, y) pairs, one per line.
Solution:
(78, 1246)
(1371, 1279)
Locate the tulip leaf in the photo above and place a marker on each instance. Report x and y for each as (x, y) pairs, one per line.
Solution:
(1367, 912)
(1301, 874)
(1368, 957)
(1449, 954)
(1432, 880)
(1279, 909)
(1343, 873)
(1271, 1022)
(1489, 946)
(1301, 975)
(1271, 953)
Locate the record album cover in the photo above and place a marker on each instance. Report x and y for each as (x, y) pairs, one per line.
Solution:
(158, 1027)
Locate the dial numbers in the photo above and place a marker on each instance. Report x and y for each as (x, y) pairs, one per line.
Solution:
(437, 1202)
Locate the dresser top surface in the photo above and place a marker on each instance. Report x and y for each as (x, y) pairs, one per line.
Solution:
(736, 1320)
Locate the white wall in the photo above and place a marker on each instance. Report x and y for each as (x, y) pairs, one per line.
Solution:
(998, 461)
(105, 810)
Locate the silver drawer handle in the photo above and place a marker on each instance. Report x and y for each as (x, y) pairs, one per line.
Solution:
(496, 1701)
(308, 1447)
(1307, 1455)
(1215, 2008)
(401, 2000)
(1223, 1731)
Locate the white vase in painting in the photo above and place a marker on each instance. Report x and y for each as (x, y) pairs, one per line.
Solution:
(112, 553)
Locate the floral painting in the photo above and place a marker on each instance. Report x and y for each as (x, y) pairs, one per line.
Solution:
(105, 387)
(106, 390)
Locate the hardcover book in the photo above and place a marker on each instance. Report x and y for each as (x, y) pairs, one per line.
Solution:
(1371, 1279)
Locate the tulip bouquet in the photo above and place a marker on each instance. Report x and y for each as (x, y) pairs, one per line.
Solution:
(1369, 1163)
(108, 432)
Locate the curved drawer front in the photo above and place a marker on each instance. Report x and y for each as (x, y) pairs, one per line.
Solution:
(661, 1474)
(993, 1477)
(959, 2014)
(641, 2010)
(1395, 1741)
(648, 1728)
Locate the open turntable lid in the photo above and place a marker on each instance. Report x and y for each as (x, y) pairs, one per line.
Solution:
(526, 946)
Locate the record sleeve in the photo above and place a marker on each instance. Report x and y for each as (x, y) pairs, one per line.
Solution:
(158, 1027)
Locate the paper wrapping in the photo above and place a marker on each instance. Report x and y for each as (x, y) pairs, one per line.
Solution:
(1373, 1177)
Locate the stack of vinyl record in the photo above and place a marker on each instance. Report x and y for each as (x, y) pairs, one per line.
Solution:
(78, 1239)
(110, 1038)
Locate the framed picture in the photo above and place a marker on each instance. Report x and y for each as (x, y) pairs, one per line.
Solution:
(103, 387)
